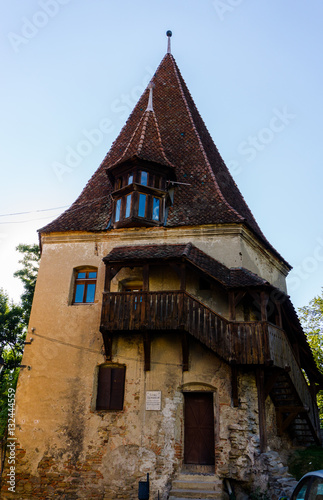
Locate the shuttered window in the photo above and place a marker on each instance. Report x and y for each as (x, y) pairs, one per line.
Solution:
(110, 393)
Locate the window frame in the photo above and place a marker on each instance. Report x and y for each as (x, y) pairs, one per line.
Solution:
(86, 281)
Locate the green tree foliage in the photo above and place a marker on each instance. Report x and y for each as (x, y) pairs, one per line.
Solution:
(12, 336)
(311, 317)
(13, 326)
(28, 275)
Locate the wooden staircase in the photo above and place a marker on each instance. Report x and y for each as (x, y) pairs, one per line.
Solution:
(292, 414)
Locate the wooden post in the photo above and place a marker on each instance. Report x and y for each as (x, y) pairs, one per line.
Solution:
(263, 305)
(260, 380)
(107, 339)
(147, 343)
(279, 320)
(185, 352)
(107, 281)
(232, 307)
(183, 276)
(145, 277)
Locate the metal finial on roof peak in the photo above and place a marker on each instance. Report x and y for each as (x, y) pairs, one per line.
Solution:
(150, 99)
(169, 34)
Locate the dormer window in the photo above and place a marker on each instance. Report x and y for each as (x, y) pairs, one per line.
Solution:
(140, 194)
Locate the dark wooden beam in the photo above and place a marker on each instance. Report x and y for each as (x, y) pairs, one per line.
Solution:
(263, 305)
(107, 340)
(147, 349)
(185, 351)
(292, 412)
(145, 277)
(238, 297)
(279, 319)
(183, 276)
(232, 308)
(260, 379)
(107, 281)
(271, 382)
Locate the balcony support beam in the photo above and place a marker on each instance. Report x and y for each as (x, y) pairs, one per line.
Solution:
(107, 340)
(147, 350)
(145, 277)
(185, 351)
(234, 301)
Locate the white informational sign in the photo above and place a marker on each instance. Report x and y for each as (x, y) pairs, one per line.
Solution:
(153, 400)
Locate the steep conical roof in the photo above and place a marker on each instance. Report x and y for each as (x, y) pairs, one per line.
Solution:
(173, 134)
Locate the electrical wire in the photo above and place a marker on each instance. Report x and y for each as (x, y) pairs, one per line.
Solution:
(75, 209)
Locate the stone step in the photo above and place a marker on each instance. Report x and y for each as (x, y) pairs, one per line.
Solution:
(196, 486)
(184, 484)
(219, 496)
(189, 495)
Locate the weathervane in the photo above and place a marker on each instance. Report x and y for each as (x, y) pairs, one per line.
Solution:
(169, 34)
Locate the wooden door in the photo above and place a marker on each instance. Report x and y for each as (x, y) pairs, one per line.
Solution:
(198, 428)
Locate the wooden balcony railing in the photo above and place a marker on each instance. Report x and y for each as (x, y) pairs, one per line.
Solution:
(245, 343)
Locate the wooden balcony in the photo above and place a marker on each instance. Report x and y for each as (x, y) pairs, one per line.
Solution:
(241, 343)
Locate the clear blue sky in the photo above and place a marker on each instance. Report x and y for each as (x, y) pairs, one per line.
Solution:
(254, 69)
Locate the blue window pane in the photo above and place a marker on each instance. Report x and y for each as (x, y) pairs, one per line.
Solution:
(128, 205)
(118, 208)
(90, 293)
(130, 179)
(142, 205)
(79, 293)
(144, 178)
(80, 275)
(92, 275)
(156, 209)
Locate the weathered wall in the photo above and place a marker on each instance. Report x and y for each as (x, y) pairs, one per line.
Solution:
(73, 450)
(69, 449)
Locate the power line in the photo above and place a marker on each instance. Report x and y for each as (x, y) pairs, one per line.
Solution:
(32, 211)
(71, 210)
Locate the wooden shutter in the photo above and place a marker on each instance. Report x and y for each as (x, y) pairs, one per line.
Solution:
(104, 388)
(117, 388)
(110, 392)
